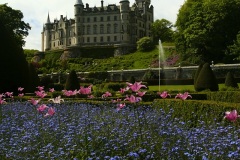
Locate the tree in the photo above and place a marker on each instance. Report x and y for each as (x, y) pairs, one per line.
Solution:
(205, 29)
(206, 79)
(162, 29)
(72, 82)
(230, 81)
(12, 19)
(13, 65)
(234, 49)
(145, 44)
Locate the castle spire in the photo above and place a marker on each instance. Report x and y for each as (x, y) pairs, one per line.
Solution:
(48, 19)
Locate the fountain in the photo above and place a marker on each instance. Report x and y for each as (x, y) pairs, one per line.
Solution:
(161, 55)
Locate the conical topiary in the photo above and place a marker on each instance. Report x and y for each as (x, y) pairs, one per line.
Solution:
(196, 76)
(72, 82)
(230, 81)
(206, 79)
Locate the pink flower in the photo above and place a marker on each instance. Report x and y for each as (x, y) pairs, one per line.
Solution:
(33, 101)
(136, 86)
(20, 89)
(122, 90)
(120, 106)
(90, 96)
(2, 95)
(57, 100)
(2, 101)
(183, 96)
(164, 94)
(40, 94)
(231, 116)
(106, 94)
(20, 94)
(41, 108)
(85, 91)
(116, 101)
(132, 99)
(40, 88)
(50, 112)
(141, 93)
(51, 90)
(69, 93)
(9, 94)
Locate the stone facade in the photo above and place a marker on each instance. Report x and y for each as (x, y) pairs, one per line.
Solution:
(118, 26)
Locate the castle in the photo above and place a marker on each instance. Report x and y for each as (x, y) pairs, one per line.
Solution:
(112, 26)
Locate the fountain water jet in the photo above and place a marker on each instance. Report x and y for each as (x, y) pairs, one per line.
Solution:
(161, 55)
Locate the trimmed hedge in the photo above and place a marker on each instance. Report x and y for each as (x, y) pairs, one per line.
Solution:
(224, 96)
(195, 111)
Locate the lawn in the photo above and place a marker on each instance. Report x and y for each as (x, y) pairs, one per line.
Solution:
(181, 88)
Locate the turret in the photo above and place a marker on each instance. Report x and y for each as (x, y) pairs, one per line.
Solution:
(124, 10)
(47, 36)
(78, 18)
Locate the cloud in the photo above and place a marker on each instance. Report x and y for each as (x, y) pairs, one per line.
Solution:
(35, 13)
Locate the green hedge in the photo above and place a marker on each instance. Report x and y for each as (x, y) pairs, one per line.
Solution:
(195, 111)
(224, 96)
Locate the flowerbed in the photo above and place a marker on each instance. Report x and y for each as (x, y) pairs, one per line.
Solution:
(84, 131)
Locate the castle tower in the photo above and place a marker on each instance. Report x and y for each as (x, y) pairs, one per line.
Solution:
(46, 35)
(78, 21)
(124, 15)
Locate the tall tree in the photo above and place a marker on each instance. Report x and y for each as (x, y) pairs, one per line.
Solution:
(162, 29)
(12, 19)
(13, 65)
(206, 28)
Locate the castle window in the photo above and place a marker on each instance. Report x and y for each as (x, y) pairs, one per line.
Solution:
(108, 18)
(101, 19)
(101, 39)
(95, 39)
(115, 18)
(69, 41)
(115, 28)
(83, 29)
(101, 28)
(115, 38)
(88, 19)
(88, 29)
(53, 44)
(108, 39)
(109, 28)
(88, 39)
(95, 29)
(95, 19)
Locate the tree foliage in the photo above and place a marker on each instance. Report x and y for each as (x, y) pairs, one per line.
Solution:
(145, 44)
(12, 19)
(162, 29)
(13, 65)
(206, 79)
(205, 29)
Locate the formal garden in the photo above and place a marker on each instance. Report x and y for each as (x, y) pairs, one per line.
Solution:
(127, 122)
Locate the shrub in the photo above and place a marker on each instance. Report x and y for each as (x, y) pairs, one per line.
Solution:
(196, 76)
(230, 81)
(72, 82)
(206, 79)
(145, 44)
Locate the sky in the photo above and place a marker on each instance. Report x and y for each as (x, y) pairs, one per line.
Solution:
(35, 13)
